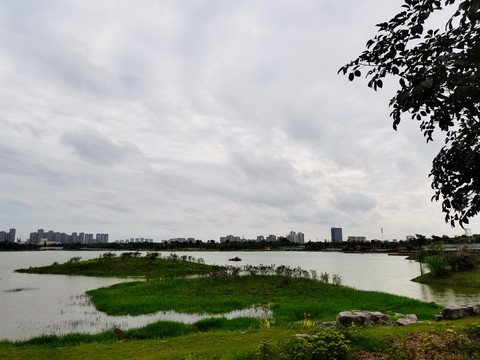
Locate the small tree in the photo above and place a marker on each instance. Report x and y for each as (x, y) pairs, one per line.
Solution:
(439, 78)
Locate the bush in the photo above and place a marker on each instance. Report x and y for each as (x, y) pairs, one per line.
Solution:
(324, 277)
(327, 344)
(463, 260)
(152, 255)
(437, 264)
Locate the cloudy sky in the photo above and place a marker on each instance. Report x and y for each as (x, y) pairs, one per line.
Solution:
(201, 119)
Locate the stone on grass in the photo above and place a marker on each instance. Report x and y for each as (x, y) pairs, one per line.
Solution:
(362, 318)
(407, 320)
(460, 311)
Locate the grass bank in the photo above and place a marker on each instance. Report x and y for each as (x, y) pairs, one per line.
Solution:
(467, 278)
(462, 338)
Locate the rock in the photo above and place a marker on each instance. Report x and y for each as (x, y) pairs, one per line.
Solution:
(407, 320)
(437, 317)
(460, 311)
(362, 318)
(475, 310)
(326, 325)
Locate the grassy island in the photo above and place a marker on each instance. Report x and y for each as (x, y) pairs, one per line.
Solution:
(293, 300)
(128, 264)
(467, 278)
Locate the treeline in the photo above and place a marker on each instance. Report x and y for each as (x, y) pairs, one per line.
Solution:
(155, 246)
(413, 244)
(282, 243)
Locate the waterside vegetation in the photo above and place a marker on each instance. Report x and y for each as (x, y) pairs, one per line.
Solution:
(454, 269)
(285, 295)
(109, 264)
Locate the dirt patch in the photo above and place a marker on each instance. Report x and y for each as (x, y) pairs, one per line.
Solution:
(429, 346)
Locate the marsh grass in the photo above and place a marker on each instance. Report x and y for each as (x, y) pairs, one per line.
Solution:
(158, 330)
(290, 298)
(127, 264)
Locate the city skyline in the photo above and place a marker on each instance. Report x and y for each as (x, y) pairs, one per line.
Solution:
(50, 236)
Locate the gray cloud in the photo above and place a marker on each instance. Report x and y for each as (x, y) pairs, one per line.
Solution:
(172, 118)
(95, 148)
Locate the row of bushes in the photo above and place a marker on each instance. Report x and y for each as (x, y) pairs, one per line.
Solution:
(281, 270)
(149, 255)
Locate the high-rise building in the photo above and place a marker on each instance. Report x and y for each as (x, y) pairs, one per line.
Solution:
(336, 234)
(11, 235)
(271, 238)
(300, 238)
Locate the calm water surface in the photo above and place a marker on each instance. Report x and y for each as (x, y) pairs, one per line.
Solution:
(31, 305)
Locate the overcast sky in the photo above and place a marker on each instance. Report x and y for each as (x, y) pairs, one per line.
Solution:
(201, 119)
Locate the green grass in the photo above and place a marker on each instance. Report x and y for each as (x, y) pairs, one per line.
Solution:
(289, 298)
(468, 278)
(118, 267)
(219, 344)
(169, 288)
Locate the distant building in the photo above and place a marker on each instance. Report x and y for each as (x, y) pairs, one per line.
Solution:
(356, 238)
(336, 234)
(300, 238)
(11, 235)
(271, 238)
(230, 238)
(56, 237)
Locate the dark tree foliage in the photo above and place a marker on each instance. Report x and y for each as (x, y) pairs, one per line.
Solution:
(439, 78)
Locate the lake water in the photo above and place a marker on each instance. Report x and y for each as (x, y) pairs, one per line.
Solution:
(32, 305)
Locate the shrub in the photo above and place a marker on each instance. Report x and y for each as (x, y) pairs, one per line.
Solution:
(463, 260)
(336, 279)
(437, 264)
(152, 255)
(324, 277)
(327, 344)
